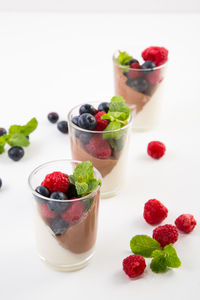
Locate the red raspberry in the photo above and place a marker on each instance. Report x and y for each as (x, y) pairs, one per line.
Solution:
(185, 223)
(99, 147)
(101, 123)
(134, 73)
(154, 77)
(56, 182)
(154, 212)
(165, 234)
(158, 55)
(74, 212)
(134, 265)
(46, 212)
(156, 149)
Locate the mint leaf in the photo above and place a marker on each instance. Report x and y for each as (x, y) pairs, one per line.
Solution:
(15, 129)
(2, 143)
(159, 262)
(123, 58)
(18, 139)
(71, 179)
(144, 245)
(29, 127)
(113, 126)
(171, 257)
(81, 188)
(118, 99)
(119, 106)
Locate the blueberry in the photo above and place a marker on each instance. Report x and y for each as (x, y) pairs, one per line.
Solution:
(75, 120)
(87, 108)
(56, 206)
(63, 126)
(104, 106)
(148, 66)
(71, 192)
(0, 183)
(85, 137)
(16, 153)
(131, 62)
(42, 190)
(2, 131)
(58, 226)
(53, 117)
(87, 121)
(138, 84)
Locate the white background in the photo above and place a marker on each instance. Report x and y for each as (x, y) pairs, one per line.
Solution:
(52, 62)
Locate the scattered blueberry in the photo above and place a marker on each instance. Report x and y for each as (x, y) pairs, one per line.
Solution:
(75, 120)
(104, 106)
(56, 206)
(71, 192)
(53, 117)
(87, 108)
(63, 126)
(42, 190)
(85, 137)
(0, 183)
(131, 62)
(16, 153)
(139, 84)
(58, 226)
(148, 66)
(2, 131)
(87, 121)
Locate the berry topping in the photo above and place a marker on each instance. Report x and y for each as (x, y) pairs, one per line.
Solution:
(2, 131)
(134, 265)
(133, 73)
(16, 153)
(74, 212)
(99, 147)
(42, 190)
(185, 223)
(56, 181)
(57, 206)
(75, 120)
(85, 137)
(72, 193)
(158, 55)
(104, 106)
(63, 126)
(154, 77)
(132, 61)
(87, 108)
(53, 117)
(148, 66)
(0, 182)
(87, 121)
(154, 212)
(165, 234)
(156, 149)
(101, 123)
(138, 84)
(58, 226)
(46, 212)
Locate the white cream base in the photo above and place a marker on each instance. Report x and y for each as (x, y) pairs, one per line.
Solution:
(52, 252)
(148, 117)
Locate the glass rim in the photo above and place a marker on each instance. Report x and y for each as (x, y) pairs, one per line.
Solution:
(95, 131)
(41, 166)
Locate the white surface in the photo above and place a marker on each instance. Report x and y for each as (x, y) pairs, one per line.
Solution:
(51, 62)
(127, 6)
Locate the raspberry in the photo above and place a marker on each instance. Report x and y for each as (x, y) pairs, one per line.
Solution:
(101, 123)
(99, 147)
(56, 182)
(154, 212)
(165, 234)
(133, 73)
(73, 213)
(185, 223)
(46, 212)
(156, 149)
(134, 265)
(154, 77)
(158, 55)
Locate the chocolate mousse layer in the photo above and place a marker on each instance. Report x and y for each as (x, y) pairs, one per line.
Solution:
(131, 96)
(104, 166)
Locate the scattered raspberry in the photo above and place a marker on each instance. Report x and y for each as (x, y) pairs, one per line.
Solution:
(156, 149)
(154, 212)
(185, 223)
(165, 234)
(56, 181)
(134, 265)
(46, 212)
(101, 123)
(158, 55)
(134, 73)
(99, 147)
(73, 213)
(154, 77)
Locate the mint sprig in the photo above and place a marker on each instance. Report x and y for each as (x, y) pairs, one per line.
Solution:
(83, 179)
(123, 58)
(144, 245)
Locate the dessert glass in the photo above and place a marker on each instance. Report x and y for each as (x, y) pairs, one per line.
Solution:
(144, 92)
(113, 168)
(64, 246)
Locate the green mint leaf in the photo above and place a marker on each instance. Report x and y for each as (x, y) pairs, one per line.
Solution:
(2, 143)
(144, 245)
(120, 107)
(114, 115)
(171, 257)
(123, 58)
(15, 129)
(81, 188)
(93, 184)
(18, 139)
(29, 127)
(159, 262)
(113, 126)
(71, 179)
(118, 99)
